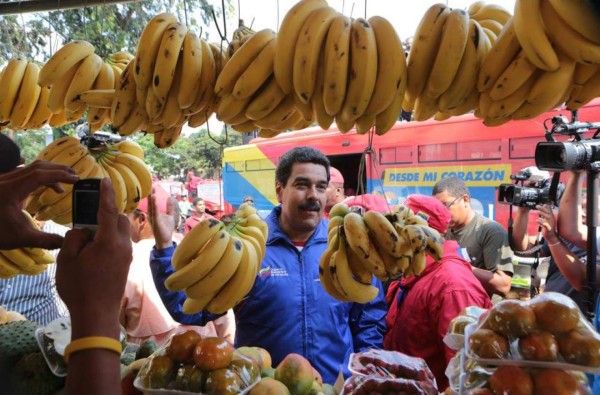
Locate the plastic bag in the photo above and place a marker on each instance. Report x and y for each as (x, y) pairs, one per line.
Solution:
(548, 331)
(173, 369)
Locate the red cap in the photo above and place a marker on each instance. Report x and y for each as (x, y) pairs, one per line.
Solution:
(335, 175)
(161, 196)
(369, 202)
(432, 210)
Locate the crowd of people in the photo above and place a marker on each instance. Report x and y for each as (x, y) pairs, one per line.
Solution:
(116, 276)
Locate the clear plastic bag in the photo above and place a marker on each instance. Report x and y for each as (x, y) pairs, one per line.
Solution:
(170, 371)
(548, 331)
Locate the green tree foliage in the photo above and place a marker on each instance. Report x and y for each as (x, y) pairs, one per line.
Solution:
(196, 150)
(109, 28)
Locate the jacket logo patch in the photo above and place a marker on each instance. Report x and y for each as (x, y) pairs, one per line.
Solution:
(272, 272)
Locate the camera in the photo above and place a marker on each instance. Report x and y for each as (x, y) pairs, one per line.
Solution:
(86, 202)
(536, 192)
(569, 155)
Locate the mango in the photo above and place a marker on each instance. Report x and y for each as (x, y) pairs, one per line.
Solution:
(269, 386)
(296, 373)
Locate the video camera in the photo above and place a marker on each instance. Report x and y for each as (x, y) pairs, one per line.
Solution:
(569, 155)
(536, 192)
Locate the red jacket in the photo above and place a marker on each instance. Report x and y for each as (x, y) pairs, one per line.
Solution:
(417, 326)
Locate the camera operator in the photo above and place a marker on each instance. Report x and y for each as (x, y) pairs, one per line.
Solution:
(562, 254)
(571, 226)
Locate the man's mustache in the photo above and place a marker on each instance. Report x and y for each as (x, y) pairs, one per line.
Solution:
(315, 206)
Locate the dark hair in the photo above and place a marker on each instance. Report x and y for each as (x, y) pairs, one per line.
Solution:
(454, 186)
(299, 155)
(10, 154)
(196, 200)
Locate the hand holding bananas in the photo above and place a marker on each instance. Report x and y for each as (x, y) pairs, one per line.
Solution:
(374, 244)
(16, 230)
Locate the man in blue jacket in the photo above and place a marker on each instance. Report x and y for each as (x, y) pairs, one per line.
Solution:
(287, 310)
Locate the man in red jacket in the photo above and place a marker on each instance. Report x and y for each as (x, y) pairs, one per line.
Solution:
(422, 307)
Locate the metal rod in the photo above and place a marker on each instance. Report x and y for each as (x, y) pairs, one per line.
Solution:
(24, 7)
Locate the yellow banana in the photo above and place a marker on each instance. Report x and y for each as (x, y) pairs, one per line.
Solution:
(255, 236)
(325, 276)
(139, 168)
(58, 90)
(122, 57)
(9, 86)
(417, 263)
(361, 274)
(567, 39)
(7, 268)
(335, 67)
(118, 185)
(153, 107)
(124, 101)
(199, 118)
(240, 61)
(415, 237)
(23, 261)
(384, 233)
(581, 15)
(256, 74)
(491, 25)
(391, 65)
(41, 113)
(425, 107)
(207, 81)
(256, 221)
(583, 72)
(221, 273)
(357, 234)
(308, 49)
(40, 255)
(201, 265)
(134, 122)
(586, 93)
(425, 47)
(265, 101)
(196, 305)
(515, 75)
(83, 80)
(229, 107)
(171, 111)
(98, 98)
(455, 34)
(280, 114)
(194, 241)
(532, 36)
(64, 59)
(169, 137)
(499, 57)
(343, 279)
(465, 79)
(305, 108)
(363, 70)
(434, 243)
(324, 120)
(491, 11)
(148, 46)
(130, 147)
(551, 85)
(286, 43)
(83, 167)
(132, 184)
(191, 70)
(507, 106)
(166, 60)
(386, 119)
(104, 81)
(239, 284)
(27, 98)
(56, 147)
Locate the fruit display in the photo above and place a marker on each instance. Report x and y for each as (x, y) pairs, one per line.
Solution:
(548, 331)
(385, 372)
(23, 103)
(216, 264)
(27, 260)
(374, 244)
(122, 162)
(192, 364)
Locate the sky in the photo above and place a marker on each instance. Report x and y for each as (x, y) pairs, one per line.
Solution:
(404, 15)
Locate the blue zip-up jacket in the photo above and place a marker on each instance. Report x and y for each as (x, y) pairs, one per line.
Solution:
(287, 310)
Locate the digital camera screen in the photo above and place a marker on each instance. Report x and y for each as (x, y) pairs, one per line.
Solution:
(86, 207)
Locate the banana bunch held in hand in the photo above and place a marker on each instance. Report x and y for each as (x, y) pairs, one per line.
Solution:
(374, 244)
(122, 162)
(23, 104)
(216, 264)
(30, 261)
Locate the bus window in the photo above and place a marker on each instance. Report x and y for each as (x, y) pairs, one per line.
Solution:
(523, 148)
(437, 152)
(235, 166)
(259, 164)
(392, 155)
(479, 150)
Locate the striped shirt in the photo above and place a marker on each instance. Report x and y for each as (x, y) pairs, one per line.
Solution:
(35, 296)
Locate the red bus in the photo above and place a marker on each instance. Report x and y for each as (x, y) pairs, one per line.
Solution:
(410, 158)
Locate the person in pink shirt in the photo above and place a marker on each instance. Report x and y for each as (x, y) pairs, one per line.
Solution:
(199, 213)
(142, 312)
(421, 307)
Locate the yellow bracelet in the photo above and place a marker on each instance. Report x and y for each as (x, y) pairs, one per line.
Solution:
(93, 342)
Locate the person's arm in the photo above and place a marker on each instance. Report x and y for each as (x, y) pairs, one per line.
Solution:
(521, 240)
(160, 264)
(570, 212)
(497, 282)
(90, 278)
(16, 230)
(367, 322)
(568, 263)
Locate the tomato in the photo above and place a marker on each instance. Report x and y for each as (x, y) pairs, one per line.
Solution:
(212, 353)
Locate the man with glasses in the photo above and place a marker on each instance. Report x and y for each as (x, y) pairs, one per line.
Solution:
(484, 242)
(249, 199)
